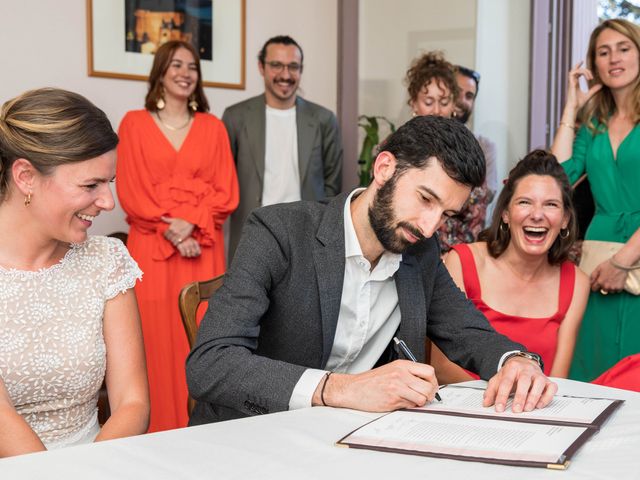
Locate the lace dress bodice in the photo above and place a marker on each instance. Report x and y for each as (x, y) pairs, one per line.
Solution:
(52, 351)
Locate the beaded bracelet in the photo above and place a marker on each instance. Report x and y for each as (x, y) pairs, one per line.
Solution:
(326, 379)
(623, 267)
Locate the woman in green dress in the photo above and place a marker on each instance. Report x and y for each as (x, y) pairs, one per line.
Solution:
(607, 148)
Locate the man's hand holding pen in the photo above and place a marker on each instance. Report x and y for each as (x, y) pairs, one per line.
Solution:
(399, 384)
(404, 349)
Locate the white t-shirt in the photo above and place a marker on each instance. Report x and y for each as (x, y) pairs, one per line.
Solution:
(281, 170)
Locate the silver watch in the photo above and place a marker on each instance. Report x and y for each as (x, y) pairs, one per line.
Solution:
(530, 355)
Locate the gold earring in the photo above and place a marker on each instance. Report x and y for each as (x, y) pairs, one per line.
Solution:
(27, 199)
(160, 102)
(193, 103)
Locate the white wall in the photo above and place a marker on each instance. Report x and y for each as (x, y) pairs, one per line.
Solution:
(44, 44)
(502, 53)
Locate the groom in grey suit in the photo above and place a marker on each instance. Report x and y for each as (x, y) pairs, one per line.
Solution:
(318, 290)
(285, 147)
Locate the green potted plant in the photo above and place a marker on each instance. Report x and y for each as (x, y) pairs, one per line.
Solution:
(371, 129)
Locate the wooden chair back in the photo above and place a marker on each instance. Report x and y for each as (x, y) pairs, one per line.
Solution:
(189, 299)
(191, 295)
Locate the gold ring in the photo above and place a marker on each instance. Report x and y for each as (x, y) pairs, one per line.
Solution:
(603, 291)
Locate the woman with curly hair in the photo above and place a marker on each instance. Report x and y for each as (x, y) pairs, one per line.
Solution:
(432, 87)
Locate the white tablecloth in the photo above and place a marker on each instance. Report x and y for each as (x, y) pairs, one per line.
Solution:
(300, 444)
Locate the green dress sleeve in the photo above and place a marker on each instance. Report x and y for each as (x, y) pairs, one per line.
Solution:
(576, 165)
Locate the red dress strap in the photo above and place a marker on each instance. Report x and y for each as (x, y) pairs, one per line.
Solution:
(567, 284)
(469, 271)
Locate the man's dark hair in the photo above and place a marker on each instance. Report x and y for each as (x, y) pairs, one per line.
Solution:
(467, 72)
(544, 164)
(416, 142)
(280, 39)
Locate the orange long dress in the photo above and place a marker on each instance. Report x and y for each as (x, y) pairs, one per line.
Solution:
(197, 183)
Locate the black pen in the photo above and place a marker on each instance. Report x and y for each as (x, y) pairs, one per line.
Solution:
(407, 353)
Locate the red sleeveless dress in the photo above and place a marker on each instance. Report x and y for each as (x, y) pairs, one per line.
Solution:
(539, 335)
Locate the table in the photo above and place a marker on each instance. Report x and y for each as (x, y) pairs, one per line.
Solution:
(300, 444)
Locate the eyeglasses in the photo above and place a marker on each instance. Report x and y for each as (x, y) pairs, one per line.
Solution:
(277, 67)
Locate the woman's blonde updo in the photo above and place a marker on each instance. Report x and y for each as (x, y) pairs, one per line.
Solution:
(51, 127)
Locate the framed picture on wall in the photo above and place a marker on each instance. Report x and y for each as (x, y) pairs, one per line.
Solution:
(123, 35)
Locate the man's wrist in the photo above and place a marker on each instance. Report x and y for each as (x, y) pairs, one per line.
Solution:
(324, 387)
(518, 353)
(306, 389)
(331, 390)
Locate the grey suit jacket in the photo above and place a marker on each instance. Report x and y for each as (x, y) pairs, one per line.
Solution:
(277, 312)
(319, 155)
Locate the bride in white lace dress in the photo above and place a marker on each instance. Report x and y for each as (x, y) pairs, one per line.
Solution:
(68, 314)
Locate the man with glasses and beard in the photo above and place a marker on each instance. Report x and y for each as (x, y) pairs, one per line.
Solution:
(285, 147)
(317, 292)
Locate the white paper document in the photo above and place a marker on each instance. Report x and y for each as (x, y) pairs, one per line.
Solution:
(459, 427)
(563, 410)
(468, 437)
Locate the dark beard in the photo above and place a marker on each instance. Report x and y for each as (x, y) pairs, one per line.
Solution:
(464, 116)
(382, 220)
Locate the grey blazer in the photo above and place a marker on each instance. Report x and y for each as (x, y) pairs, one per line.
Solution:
(277, 312)
(319, 155)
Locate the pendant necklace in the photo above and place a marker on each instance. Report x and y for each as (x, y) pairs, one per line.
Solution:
(170, 127)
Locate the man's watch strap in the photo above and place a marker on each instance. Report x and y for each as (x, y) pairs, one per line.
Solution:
(529, 355)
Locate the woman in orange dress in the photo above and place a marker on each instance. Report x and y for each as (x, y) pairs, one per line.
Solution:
(176, 181)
